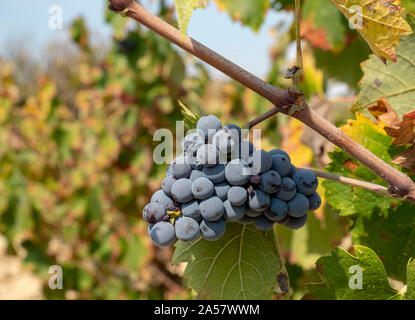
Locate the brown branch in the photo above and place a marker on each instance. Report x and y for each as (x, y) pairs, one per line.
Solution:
(355, 183)
(298, 33)
(400, 184)
(261, 118)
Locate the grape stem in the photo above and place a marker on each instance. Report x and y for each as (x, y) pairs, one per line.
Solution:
(283, 100)
(355, 183)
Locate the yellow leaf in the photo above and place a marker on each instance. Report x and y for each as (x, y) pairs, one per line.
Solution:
(185, 9)
(379, 22)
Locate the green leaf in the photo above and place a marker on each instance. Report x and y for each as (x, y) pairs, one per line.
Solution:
(243, 264)
(390, 233)
(410, 290)
(184, 9)
(393, 81)
(338, 269)
(250, 13)
(379, 22)
(190, 118)
(323, 25)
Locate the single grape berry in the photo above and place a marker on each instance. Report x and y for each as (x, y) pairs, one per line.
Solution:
(161, 197)
(221, 190)
(212, 209)
(306, 182)
(251, 213)
(237, 172)
(237, 196)
(277, 210)
(225, 141)
(296, 223)
(153, 212)
(209, 125)
(233, 213)
(193, 141)
(270, 181)
(187, 229)
(244, 150)
(315, 201)
(196, 174)
(262, 223)
(292, 172)
(162, 234)
(279, 151)
(298, 206)
(202, 188)
(281, 164)
(208, 155)
(287, 189)
(216, 174)
(235, 130)
(260, 161)
(259, 200)
(212, 231)
(181, 168)
(182, 190)
(167, 184)
(191, 209)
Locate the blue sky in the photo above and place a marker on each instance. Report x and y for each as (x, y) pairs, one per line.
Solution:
(29, 21)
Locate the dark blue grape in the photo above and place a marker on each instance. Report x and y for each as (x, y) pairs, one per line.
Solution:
(162, 234)
(221, 190)
(233, 213)
(161, 197)
(251, 213)
(212, 209)
(281, 164)
(212, 231)
(192, 142)
(167, 184)
(182, 190)
(209, 125)
(237, 172)
(181, 168)
(292, 172)
(202, 188)
(196, 174)
(260, 161)
(154, 212)
(216, 174)
(259, 200)
(296, 223)
(208, 155)
(270, 181)
(287, 189)
(243, 151)
(298, 206)
(279, 151)
(262, 223)
(306, 182)
(315, 201)
(187, 229)
(237, 196)
(235, 130)
(225, 141)
(277, 210)
(191, 209)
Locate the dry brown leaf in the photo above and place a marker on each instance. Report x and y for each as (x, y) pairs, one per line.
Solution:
(383, 111)
(406, 159)
(403, 131)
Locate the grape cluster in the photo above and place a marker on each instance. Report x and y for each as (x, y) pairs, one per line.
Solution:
(220, 178)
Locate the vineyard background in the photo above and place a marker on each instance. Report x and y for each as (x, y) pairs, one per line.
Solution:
(76, 146)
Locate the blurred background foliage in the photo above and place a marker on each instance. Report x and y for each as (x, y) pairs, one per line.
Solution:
(76, 142)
